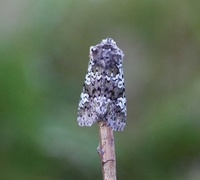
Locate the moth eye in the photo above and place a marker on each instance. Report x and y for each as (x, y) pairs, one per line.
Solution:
(94, 50)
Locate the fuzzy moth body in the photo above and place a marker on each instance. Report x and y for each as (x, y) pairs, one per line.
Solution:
(103, 95)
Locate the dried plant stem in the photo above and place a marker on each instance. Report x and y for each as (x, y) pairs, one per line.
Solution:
(106, 151)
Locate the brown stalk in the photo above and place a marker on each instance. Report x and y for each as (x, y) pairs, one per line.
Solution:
(106, 150)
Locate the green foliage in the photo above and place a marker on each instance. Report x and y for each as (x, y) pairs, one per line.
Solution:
(43, 59)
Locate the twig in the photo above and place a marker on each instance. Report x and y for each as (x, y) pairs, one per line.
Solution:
(106, 151)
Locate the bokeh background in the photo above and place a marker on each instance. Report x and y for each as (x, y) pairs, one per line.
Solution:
(44, 48)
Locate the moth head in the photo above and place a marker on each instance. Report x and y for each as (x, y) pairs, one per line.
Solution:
(106, 53)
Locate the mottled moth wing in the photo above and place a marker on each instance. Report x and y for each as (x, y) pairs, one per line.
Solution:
(103, 95)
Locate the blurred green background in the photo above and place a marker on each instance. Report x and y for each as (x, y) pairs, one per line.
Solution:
(44, 47)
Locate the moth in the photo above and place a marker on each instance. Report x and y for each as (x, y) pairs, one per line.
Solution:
(103, 96)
